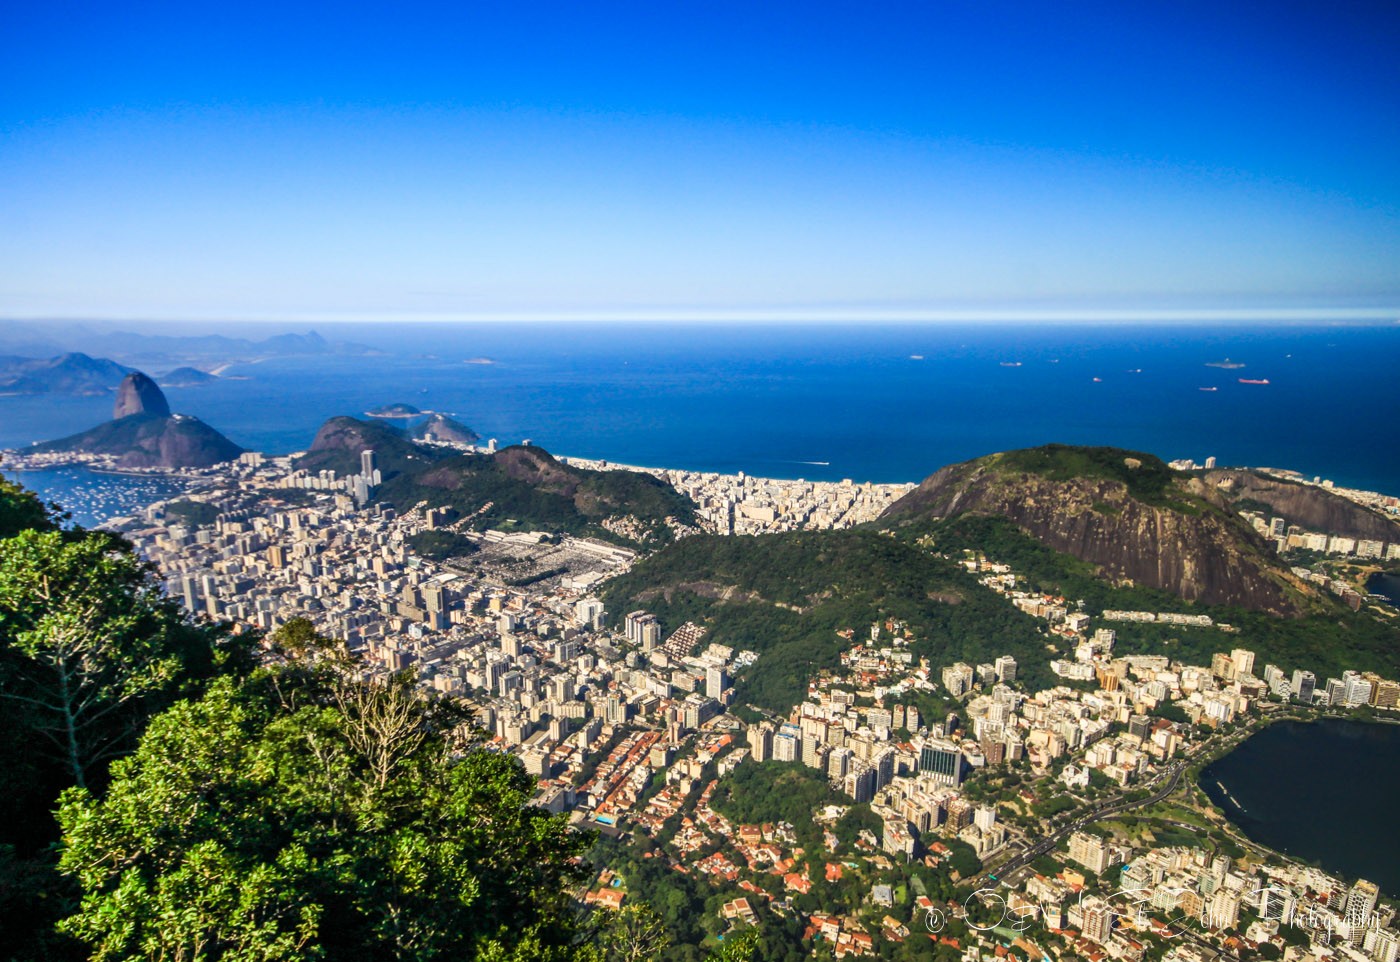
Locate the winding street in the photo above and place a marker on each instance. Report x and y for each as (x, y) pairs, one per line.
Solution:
(1172, 777)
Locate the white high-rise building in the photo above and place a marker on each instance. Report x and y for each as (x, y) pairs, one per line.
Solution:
(1361, 902)
(1243, 661)
(787, 746)
(1006, 669)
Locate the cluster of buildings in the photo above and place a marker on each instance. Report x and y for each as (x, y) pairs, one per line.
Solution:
(738, 504)
(24, 459)
(1209, 696)
(359, 485)
(1286, 537)
(622, 727)
(1119, 900)
(350, 569)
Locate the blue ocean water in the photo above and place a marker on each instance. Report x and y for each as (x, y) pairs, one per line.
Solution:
(888, 402)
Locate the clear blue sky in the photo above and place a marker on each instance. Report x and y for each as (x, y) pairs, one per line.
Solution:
(250, 160)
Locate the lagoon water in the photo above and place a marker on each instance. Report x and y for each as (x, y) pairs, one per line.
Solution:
(1385, 584)
(1322, 792)
(888, 402)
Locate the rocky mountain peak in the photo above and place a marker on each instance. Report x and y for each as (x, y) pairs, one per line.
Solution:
(138, 394)
(1126, 513)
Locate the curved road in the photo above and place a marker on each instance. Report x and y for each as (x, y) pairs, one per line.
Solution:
(1100, 811)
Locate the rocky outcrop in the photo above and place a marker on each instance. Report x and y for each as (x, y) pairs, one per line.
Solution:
(394, 411)
(440, 427)
(538, 468)
(340, 441)
(187, 377)
(144, 434)
(138, 394)
(1184, 538)
(151, 441)
(350, 434)
(531, 466)
(1307, 506)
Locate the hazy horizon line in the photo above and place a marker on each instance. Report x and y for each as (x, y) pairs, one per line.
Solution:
(1351, 315)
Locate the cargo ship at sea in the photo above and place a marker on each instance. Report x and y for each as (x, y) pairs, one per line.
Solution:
(1254, 380)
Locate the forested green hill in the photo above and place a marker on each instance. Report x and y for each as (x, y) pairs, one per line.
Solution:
(518, 487)
(787, 595)
(1324, 643)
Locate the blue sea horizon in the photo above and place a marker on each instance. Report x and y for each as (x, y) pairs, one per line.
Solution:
(878, 402)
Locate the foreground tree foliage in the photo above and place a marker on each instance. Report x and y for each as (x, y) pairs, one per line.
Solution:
(302, 815)
(20, 511)
(90, 650)
(91, 645)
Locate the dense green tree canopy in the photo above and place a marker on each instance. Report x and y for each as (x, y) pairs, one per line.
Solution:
(90, 645)
(90, 649)
(300, 816)
(21, 511)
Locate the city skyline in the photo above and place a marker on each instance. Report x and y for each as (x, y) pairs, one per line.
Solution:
(775, 164)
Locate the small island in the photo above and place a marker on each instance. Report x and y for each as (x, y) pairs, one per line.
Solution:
(187, 377)
(394, 411)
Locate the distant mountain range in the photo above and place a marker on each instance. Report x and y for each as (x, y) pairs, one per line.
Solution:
(159, 351)
(72, 373)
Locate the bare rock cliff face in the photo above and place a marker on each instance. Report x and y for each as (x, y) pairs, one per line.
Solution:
(1192, 545)
(440, 427)
(176, 442)
(144, 434)
(1304, 505)
(138, 394)
(538, 467)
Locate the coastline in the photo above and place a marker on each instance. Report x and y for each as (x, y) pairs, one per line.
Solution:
(16, 460)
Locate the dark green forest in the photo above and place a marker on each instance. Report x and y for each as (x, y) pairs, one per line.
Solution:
(572, 503)
(1151, 482)
(774, 792)
(440, 544)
